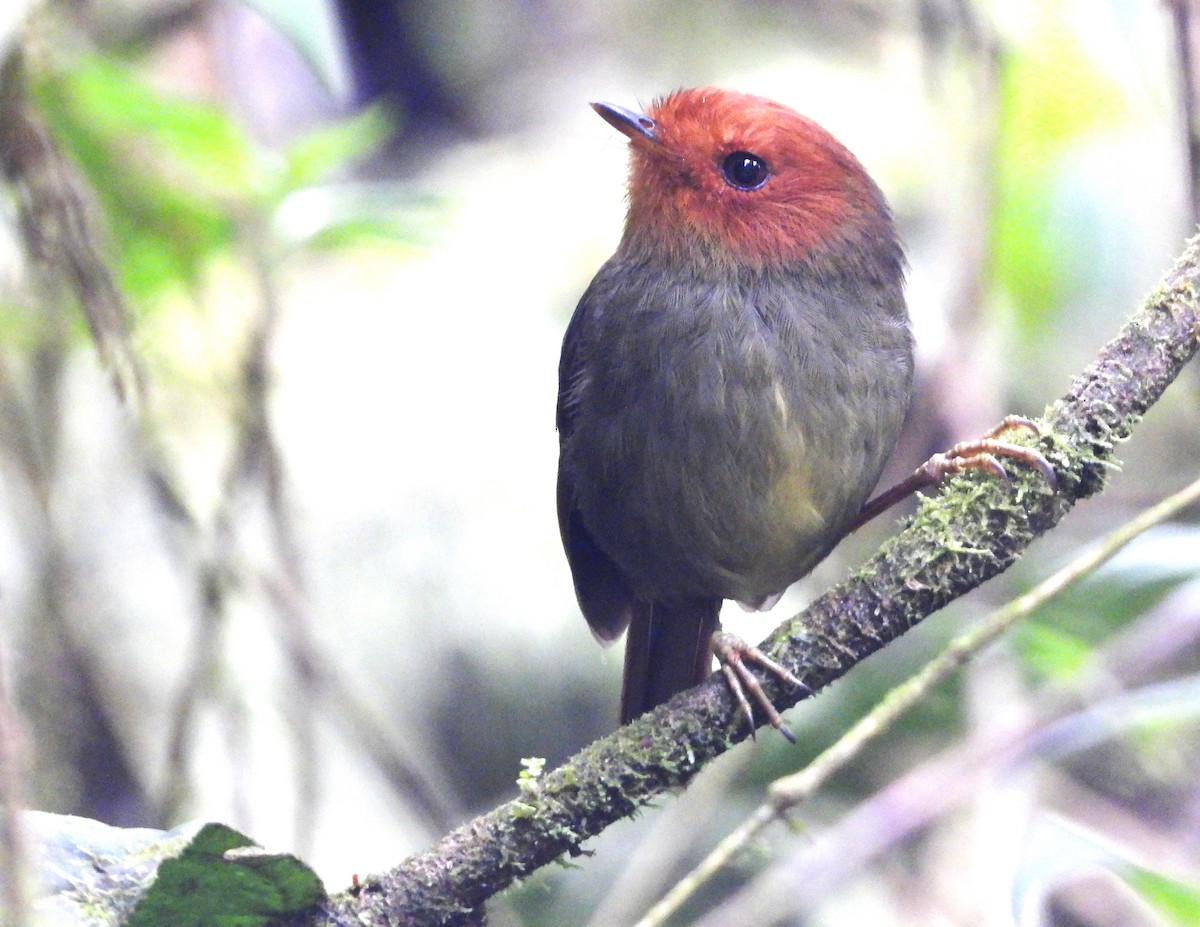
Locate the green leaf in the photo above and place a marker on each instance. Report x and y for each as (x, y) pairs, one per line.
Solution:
(312, 159)
(119, 111)
(343, 215)
(1051, 651)
(359, 230)
(221, 879)
(1053, 96)
(166, 171)
(1175, 900)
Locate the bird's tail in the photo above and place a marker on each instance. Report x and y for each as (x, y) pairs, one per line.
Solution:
(668, 649)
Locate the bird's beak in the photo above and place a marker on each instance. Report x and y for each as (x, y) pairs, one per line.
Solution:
(639, 127)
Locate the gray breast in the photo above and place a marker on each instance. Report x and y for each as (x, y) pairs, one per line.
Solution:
(733, 428)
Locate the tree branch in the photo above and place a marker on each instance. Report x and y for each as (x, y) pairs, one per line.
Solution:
(791, 790)
(974, 529)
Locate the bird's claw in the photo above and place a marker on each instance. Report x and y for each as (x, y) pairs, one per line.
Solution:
(733, 654)
(984, 453)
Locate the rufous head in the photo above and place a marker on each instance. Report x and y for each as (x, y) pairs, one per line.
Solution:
(726, 177)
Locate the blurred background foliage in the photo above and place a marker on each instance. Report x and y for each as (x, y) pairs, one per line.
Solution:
(299, 570)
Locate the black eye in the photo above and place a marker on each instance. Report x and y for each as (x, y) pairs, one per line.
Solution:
(744, 170)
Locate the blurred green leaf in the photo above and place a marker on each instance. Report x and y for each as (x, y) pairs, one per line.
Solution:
(175, 176)
(314, 157)
(358, 231)
(1051, 651)
(348, 215)
(1092, 611)
(166, 171)
(1053, 96)
(198, 138)
(1175, 900)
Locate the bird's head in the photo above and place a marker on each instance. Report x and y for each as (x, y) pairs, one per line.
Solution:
(738, 180)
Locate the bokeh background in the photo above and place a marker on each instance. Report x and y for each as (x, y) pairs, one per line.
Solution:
(277, 537)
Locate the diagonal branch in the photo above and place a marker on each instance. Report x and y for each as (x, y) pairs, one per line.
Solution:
(795, 788)
(973, 530)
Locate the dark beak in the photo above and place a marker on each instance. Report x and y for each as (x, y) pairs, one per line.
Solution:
(639, 127)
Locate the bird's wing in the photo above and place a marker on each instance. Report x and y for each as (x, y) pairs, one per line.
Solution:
(604, 596)
(572, 370)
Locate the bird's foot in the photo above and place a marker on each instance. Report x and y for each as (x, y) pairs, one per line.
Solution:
(983, 453)
(733, 654)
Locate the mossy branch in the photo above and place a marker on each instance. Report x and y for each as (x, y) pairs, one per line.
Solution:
(973, 529)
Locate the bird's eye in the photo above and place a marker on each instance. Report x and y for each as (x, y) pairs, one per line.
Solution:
(745, 170)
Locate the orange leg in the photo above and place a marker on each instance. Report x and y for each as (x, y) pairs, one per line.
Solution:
(983, 453)
(733, 654)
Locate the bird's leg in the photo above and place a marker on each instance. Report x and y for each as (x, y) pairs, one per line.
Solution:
(983, 453)
(733, 654)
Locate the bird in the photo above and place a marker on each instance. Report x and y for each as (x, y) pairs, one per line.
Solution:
(731, 382)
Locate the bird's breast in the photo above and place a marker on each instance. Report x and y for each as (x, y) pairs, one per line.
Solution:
(725, 438)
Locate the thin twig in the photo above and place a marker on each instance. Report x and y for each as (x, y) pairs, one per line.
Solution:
(814, 869)
(789, 791)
